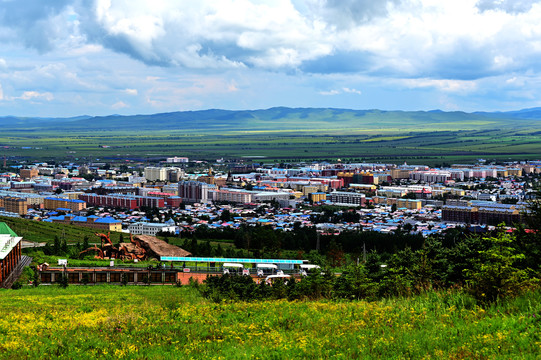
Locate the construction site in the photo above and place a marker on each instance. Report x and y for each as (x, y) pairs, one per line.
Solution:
(140, 248)
(170, 265)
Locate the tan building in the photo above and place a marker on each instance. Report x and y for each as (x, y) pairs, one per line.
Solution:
(309, 189)
(72, 195)
(363, 187)
(514, 172)
(53, 203)
(502, 173)
(400, 174)
(297, 194)
(15, 205)
(318, 196)
(409, 204)
(243, 197)
(29, 173)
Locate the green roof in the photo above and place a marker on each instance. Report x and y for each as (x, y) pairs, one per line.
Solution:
(6, 230)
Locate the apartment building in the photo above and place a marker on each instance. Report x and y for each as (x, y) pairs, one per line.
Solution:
(62, 203)
(155, 173)
(144, 228)
(344, 197)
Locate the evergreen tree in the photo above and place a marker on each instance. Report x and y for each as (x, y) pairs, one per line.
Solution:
(494, 274)
(56, 246)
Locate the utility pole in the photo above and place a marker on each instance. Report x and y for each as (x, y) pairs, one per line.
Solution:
(364, 252)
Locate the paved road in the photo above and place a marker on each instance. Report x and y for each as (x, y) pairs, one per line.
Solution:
(29, 244)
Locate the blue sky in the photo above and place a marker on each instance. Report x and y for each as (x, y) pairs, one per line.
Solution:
(75, 57)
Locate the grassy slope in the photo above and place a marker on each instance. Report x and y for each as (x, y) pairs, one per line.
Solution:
(170, 323)
(38, 231)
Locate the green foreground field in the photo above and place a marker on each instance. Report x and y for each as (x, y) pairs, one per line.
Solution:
(165, 322)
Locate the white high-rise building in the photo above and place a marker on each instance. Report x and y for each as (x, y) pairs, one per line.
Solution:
(156, 173)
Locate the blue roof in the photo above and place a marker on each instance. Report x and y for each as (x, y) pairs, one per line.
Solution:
(233, 260)
(79, 218)
(62, 199)
(63, 209)
(107, 220)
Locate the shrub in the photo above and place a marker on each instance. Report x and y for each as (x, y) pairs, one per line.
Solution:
(354, 283)
(124, 279)
(63, 281)
(85, 279)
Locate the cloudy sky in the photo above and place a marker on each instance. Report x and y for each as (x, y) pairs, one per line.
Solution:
(74, 57)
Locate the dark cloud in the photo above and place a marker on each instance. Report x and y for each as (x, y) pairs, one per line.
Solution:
(31, 21)
(346, 13)
(510, 6)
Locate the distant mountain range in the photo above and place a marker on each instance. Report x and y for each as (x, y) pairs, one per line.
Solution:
(281, 119)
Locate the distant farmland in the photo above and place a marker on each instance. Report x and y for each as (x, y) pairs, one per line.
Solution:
(279, 134)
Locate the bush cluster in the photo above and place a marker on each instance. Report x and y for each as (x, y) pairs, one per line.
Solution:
(489, 268)
(352, 284)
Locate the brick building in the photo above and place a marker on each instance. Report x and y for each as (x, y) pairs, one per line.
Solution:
(28, 173)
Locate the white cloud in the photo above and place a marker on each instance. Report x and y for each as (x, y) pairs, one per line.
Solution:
(442, 85)
(330, 92)
(182, 54)
(351, 91)
(344, 90)
(130, 91)
(30, 95)
(413, 38)
(119, 105)
(1, 93)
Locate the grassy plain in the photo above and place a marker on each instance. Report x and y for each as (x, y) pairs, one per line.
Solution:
(166, 322)
(385, 145)
(278, 134)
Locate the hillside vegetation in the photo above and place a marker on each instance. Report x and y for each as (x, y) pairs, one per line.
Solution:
(39, 231)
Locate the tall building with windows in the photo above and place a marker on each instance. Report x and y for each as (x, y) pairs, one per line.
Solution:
(195, 191)
(17, 205)
(155, 173)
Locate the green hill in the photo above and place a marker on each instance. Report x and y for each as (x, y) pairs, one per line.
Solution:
(280, 118)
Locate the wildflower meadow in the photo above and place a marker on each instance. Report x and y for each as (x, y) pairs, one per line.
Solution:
(167, 322)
